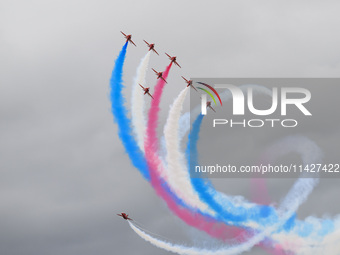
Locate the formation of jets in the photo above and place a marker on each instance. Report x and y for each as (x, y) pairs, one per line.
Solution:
(160, 76)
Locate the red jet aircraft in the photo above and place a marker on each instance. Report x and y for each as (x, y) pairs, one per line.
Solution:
(209, 105)
(159, 75)
(189, 82)
(128, 38)
(151, 47)
(173, 59)
(124, 216)
(146, 91)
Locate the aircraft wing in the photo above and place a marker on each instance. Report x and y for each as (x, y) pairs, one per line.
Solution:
(194, 87)
(212, 108)
(150, 95)
(123, 33)
(133, 43)
(155, 51)
(163, 79)
(185, 79)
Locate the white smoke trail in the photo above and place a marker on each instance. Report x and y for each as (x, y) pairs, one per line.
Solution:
(308, 150)
(176, 172)
(284, 212)
(239, 201)
(330, 245)
(310, 154)
(137, 102)
(301, 189)
(183, 124)
(225, 250)
(295, 197)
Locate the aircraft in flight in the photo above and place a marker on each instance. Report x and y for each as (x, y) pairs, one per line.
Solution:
(189, 82)
(173, 59)
(209, 105)
(146, 91)
(159, 75)
(128, 38)
(124, 216)
(151, 47)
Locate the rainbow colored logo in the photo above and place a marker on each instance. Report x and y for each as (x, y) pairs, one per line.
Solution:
(204, 101)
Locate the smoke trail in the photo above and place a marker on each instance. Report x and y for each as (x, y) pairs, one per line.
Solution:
(284, 212)
(310, 154)
(294, 198)
(330, 245)
(191, 216)
(124, 129)
(177, 174)
(297, 195)
(151, 140)
(178, 177)
(137, 102)
(222, 204)
(259, 191)
(120, 115)
(238, 215)
(312, 234)
(224, 250)
(242, 213)
(136, 156)
(225, 201)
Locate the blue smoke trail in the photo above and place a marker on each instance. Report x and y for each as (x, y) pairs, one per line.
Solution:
(125, 132)
(264, 215)
(120, 114)
(236, 215)
(203, 186)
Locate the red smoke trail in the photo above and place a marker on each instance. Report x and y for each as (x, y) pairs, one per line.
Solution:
(192, 218)
(151, 142)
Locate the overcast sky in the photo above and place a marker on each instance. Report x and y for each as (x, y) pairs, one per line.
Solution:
(63, 171)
